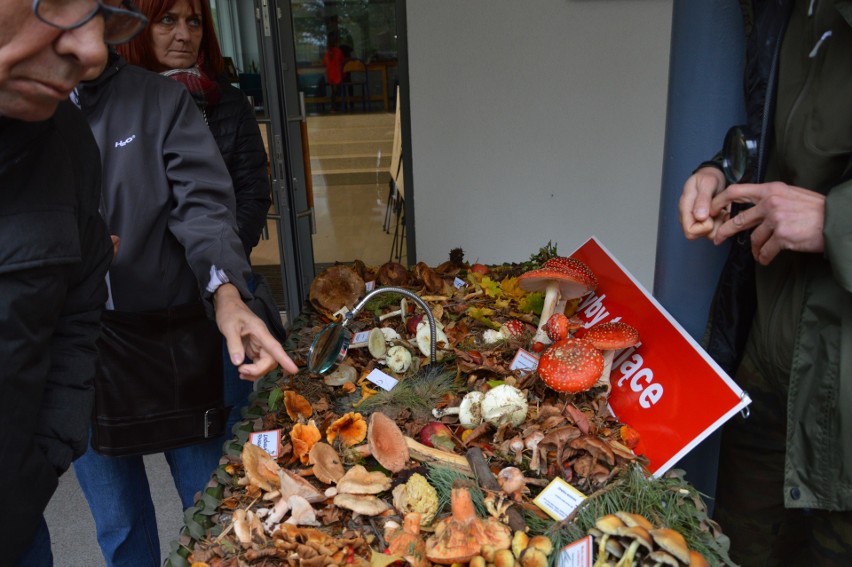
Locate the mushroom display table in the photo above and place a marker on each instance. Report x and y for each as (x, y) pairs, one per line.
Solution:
(445, 462)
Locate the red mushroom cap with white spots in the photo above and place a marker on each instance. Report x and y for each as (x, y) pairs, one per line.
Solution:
(613, 335)
(571, 365)
(576, 268)
(575, 278)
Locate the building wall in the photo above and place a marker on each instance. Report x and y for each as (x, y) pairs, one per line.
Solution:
(538, 121)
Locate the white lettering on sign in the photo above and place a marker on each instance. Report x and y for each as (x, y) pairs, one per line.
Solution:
(639, 378)
(594, 310)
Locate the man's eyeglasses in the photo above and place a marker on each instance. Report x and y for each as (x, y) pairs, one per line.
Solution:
(122, 20)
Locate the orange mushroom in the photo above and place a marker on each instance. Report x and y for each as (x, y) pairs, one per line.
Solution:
(461, 536)
(297, 406)
(407, 543)
(351, 428)
(387, 443)
(304, 437)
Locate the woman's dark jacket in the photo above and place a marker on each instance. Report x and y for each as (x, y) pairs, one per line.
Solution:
(166, 191)
(54, 254)
(234, 126)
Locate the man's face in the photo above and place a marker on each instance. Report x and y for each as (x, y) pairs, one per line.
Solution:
(40, 64)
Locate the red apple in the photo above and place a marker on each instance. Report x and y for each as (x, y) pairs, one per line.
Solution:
(436, 434)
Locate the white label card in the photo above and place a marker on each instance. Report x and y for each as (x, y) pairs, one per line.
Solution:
(360, 339)
(559, 499)
(577, 554)
(370, 285)
(459, 283)
(269, 441)
(379, 378)
(524, 361)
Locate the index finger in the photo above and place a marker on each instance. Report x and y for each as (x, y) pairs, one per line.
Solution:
(744, 193)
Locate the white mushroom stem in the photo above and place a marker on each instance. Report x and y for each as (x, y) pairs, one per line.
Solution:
(278, 511)
(608, 355)
(551, 299)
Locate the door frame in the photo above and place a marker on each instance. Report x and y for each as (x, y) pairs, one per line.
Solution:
(294, 215)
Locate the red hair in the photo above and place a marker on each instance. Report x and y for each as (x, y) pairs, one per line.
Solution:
(139, 50)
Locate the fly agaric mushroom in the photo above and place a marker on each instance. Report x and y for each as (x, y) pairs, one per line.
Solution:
(461, 536)
(557, 282)
(556, 327)
(570, 365)
(609, 338)
(387, 443)
(351, 428)
(569, 264)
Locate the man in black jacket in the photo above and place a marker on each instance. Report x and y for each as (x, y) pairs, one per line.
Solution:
(54, 252)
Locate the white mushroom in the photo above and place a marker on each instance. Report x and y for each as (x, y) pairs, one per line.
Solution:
(376, 343)
(341, 375)
(469, 411)
(398, 359)
(504, 404)
(403, 306)
(390, 334)
(424, 336)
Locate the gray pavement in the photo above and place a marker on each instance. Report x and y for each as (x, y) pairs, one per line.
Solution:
(72, 529)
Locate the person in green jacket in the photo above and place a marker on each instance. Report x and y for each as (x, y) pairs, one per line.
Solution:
(785, 475)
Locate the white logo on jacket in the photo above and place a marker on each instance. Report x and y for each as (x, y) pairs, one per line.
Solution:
(122, 143)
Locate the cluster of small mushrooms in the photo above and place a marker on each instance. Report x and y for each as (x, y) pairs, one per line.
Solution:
(624, 539)
(339, 467)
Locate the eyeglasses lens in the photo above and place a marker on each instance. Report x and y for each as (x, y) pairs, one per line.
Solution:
(121, 20)
(66, 14)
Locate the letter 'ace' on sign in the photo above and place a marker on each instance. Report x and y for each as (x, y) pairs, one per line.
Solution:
(666, 388)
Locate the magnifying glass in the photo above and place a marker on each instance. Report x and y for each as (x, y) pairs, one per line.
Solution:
(332, 343)
(739, 155)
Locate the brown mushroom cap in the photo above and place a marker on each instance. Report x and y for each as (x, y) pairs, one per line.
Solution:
(571, 365)
(609, 524)
(327, 465)
(613, 335)
(637, 534)
(672, 541)
(387, 442)
(662, 558)
(359, 480)
(336, 287)
(631, 520)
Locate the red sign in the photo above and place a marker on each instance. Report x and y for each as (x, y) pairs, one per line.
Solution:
(667, 387)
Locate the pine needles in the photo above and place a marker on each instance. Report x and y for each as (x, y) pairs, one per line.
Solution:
(418, 394)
